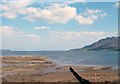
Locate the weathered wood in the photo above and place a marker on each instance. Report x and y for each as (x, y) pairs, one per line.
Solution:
(79, 78)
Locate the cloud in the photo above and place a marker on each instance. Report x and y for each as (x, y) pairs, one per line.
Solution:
(76, 35)
(9, 31)
(4, 7)
(10, 8)
(53, 16)
(28, 10)
(89, 16)
(33, 36)
(73, 1)
(15, 4)
(91, 11)
(54, 13)
(9, 15)
(41, 28)
(88, 20)
(70, 39)
(18, 40)
(14, 39)
(63, 14)
(117, 5)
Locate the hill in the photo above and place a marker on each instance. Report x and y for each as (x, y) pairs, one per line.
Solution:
(109, 43)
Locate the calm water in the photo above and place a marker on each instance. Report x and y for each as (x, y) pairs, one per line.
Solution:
(99, 58)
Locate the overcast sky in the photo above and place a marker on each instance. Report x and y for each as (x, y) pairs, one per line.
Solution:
(54, 25)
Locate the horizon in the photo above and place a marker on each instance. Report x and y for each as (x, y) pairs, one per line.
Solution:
(58, 50)
(46, 26)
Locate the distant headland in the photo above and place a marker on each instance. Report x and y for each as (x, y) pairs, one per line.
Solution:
(109, 43)
(1, 50)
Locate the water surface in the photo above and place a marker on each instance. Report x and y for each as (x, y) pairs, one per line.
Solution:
(88, 58)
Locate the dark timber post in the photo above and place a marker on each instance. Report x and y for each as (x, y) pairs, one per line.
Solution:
(79, 78)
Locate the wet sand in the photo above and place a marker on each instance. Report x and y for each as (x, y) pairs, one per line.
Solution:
(40, 69)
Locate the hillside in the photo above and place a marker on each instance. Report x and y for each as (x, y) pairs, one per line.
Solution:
(109, 43)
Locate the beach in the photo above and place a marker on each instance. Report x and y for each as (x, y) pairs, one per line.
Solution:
(40, 69)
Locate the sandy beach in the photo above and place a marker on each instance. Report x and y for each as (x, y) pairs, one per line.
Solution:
(40, 69)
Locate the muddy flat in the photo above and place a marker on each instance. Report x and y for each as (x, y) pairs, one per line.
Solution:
(40, 69)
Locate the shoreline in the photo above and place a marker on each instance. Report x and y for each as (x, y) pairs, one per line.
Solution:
(41, 69)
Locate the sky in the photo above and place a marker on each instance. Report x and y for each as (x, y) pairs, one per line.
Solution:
(47, 26)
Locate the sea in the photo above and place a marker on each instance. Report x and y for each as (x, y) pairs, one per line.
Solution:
(75, 58)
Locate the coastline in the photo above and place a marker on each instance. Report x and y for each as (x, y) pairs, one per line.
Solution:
(40, 69)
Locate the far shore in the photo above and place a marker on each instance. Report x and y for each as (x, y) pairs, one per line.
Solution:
(40, 69)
